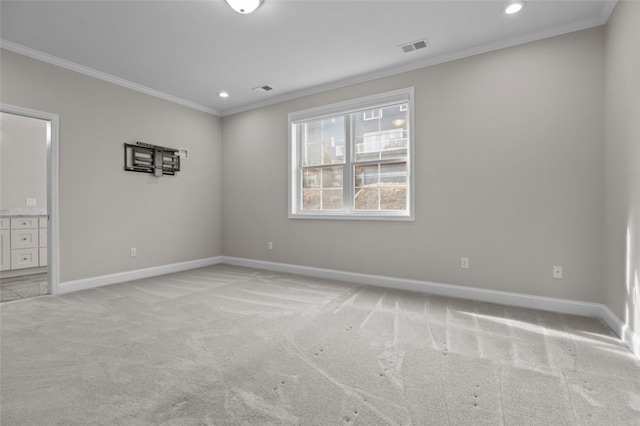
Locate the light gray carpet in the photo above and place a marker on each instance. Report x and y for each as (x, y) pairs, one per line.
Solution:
(227, 345)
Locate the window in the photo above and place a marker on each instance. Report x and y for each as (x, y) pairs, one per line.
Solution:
(372, 114)
(353, 160)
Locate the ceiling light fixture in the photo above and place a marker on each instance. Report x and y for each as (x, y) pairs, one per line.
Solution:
(244, 6)
(223, 94)
(513, 7)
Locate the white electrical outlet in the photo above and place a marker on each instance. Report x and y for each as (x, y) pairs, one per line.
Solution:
(134, 252)
(30, 202)
(557, 272)
(270, 245)
(464, 263)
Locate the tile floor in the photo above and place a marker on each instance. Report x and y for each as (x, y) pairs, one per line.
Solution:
(23, 287)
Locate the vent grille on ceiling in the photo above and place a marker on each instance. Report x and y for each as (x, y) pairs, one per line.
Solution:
(415, 45)
(263, 88)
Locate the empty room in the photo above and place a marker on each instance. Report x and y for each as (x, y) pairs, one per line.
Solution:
(312, 212)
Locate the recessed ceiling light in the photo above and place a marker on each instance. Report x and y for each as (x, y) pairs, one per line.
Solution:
(513, 7)
(223, 94)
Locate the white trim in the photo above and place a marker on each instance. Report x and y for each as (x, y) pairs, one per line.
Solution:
(53, 228)
(449, 290)
(565, 306)
(102, 280)
(627, 335)
(54, 60)
(377, 216)
(380, 100)
(606, 11)
(374, 101)
(430, 61)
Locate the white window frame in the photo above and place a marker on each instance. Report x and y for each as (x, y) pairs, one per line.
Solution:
(295, 170)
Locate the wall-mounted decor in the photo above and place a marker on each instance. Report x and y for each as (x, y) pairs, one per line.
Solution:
(146, 158)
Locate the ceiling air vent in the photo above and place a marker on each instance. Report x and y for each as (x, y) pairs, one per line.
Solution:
(415, 45)
(263, 88)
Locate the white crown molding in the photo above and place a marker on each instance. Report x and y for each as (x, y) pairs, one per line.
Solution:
(430, 61)
(606, 11)
(63, 63)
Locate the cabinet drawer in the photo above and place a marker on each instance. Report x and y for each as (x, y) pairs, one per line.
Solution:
(43, 256)
(5, 223)
(25, 258)
(24, 222)
(43, 237)
(42, 222)
(24, 238)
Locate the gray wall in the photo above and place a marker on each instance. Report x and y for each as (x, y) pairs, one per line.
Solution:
(622, 153)
(23, 161)
(104, 211)
(509, 172)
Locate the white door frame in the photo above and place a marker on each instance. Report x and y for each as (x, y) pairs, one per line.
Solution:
(52, 187)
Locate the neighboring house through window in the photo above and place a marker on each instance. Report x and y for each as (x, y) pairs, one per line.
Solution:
(353, 160)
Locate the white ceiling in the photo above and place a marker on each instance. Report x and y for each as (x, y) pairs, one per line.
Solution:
(188, 51)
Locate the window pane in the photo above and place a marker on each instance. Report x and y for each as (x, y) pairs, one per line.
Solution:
(371, 114)
(332, 199)
(323, 141)
(311, 199)
(380, 187)
(322, 188)
(351, 159)
(332, 177)
(382, 135)
(311, 178)
(393, 186)
(322, 199)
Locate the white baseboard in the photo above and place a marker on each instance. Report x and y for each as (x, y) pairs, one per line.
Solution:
(597, 310)
(87, 283)
(565, 306)
(631, 339)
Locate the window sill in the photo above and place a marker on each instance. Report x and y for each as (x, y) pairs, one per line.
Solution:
(401, 217)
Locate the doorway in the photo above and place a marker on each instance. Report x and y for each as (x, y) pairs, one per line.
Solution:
(28, 203)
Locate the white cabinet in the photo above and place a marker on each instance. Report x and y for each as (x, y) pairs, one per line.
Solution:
(24, 258)
(43, 256)
(27, 242)
(5, 244)
(24, 238)
(24, 222)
